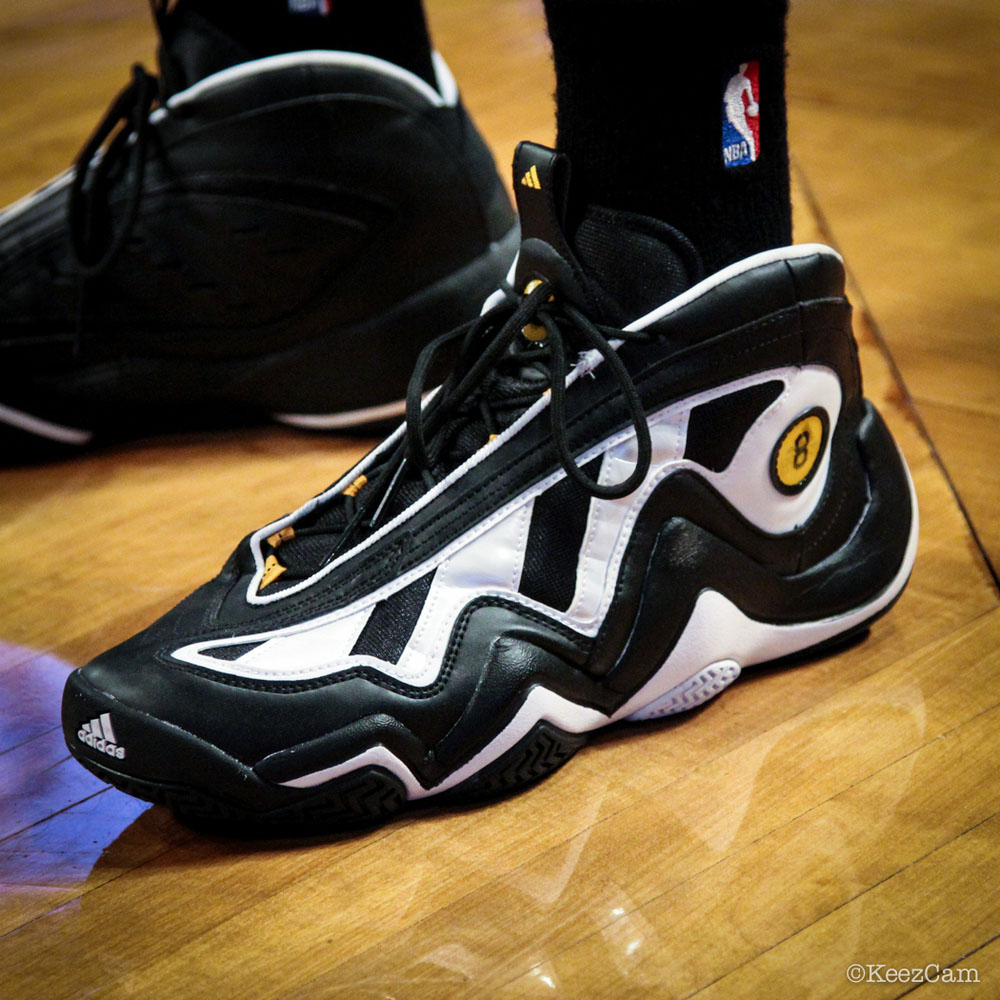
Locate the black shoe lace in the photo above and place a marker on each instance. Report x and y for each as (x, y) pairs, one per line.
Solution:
(493, 349)
(536, 309)
(93, 239)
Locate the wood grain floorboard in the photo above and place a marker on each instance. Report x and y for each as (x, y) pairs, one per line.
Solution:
(840, 811)
(972, 434)
(892, 118)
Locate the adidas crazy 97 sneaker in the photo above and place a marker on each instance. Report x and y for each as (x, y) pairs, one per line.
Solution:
(254, 246)
(636, 482)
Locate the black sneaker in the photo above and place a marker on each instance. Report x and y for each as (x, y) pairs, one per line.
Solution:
(636, 483)
(278, 238)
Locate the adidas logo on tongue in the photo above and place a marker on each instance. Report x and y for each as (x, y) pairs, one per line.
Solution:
(99, 734)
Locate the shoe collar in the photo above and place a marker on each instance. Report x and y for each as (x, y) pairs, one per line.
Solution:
(445, 96)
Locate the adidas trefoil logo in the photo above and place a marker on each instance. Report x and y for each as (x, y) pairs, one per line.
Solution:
(530, 179)
(100, 734)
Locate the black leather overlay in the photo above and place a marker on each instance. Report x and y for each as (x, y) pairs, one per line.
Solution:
(499, 651)
(558, 523)
(392, 622)
(685, 559)
(677, 364)
(716, 428)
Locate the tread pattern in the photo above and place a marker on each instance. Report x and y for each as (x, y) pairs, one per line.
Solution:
(361, 798)
(695, 691)
(543, 750)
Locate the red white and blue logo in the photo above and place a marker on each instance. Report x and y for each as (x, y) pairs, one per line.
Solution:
(313, 8)
(741, 116)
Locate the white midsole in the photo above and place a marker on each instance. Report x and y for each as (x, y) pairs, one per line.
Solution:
(349, 418)
(43, 428)
(310, 421)
(717, 630)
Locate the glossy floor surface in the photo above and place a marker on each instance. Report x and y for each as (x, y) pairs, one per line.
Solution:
(841, 812)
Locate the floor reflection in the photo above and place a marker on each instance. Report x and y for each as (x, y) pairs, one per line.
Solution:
(31, 686)
(60, 826)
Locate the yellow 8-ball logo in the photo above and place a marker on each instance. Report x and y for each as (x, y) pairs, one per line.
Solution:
(796, 456)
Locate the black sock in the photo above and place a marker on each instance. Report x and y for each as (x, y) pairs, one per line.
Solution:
(394, 30)
(640, 93)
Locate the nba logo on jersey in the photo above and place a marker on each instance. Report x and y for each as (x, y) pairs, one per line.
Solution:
(741, 116)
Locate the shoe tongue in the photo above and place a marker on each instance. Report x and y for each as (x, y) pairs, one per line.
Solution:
(192, 46)
(613, 265)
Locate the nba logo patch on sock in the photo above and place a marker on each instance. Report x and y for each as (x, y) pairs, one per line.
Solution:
(314, 8)
(741, 116)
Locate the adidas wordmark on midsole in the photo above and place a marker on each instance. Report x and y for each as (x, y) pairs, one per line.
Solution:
(99, 734)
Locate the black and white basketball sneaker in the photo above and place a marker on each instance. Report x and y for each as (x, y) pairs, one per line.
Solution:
(275, 238)
(636, 482)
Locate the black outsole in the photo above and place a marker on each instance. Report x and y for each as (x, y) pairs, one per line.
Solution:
(363, 798)
(21, 447)
(535, 756)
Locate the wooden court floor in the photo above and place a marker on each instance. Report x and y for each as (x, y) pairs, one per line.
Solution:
(841, 812)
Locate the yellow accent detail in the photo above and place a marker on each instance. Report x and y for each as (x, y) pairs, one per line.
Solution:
(272, 570)
(285, 534)
(354, 488)
(494, 436)
(532, 285)
(530, 179)
(799, 449)
(535, 331)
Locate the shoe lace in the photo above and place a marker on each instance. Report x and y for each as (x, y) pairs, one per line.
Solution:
(512, 345)
(124, 130)
(126, 125)
(506, 357)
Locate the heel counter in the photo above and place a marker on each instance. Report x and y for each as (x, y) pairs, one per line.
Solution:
(826, 315)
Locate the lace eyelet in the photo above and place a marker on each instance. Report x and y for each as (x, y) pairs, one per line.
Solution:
(535, 332)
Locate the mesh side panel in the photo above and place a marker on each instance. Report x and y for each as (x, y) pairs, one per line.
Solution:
(303, 555)
(392, 622)
(558, 523)
(231, 652)
(640, 262)
(716, 428)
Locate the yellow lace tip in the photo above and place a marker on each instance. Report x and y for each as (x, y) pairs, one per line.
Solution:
(284, 535)
(355, 487)
(272, 570)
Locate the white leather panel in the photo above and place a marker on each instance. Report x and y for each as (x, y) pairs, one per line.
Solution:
(746, 483)
(489, 565)
(716, 630)
(309, 653)
(609, 523)
(488, 560)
